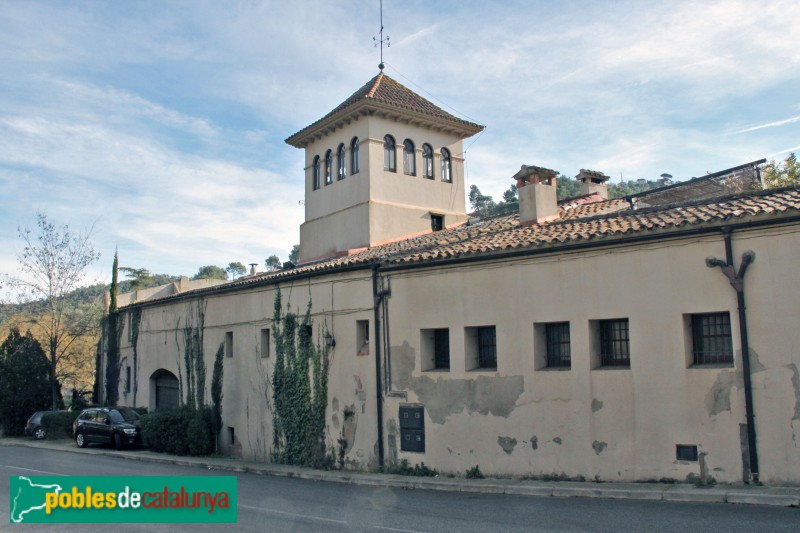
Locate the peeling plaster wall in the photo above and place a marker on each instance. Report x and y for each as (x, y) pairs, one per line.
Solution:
(615, 424)
(608, 424)
(247, 388)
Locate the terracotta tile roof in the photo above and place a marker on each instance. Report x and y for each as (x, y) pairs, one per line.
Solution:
(579, 222)
(383, 90)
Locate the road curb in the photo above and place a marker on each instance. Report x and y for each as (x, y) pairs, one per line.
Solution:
(771, 496)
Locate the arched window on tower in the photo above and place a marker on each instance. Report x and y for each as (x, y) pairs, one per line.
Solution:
(328, 167)
(341, 162)
(427, 161)
(446, 168)
(354, 156)
(315, 175)
(409, 158)
(389, 154)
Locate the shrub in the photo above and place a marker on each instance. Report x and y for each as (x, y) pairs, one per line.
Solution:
(199, 432)
(475, 473)
(403, 468)
(181, 431)
(58, 424)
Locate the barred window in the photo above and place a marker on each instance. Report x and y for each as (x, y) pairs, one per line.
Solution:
(441, 349)
(614, 342)
(487, 347)
(711, 339)
(558, 347)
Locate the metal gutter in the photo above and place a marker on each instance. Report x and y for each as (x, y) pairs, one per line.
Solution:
(377, 297)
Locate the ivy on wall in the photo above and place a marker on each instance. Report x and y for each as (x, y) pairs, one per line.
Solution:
(194, 357)
(216, 394)
(136, 318)
(299, 389)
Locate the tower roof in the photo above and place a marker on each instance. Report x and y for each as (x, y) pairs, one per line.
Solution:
(383, 96)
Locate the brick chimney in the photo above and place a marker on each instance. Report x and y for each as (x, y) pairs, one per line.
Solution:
(538, 201)
(593, 182)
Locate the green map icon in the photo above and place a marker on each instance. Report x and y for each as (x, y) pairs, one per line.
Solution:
(28, 497)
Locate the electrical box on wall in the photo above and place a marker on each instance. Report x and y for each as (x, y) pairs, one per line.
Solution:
(412, 428)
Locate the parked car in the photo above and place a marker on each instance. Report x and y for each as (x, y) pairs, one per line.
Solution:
(34, 428)
(107, 425)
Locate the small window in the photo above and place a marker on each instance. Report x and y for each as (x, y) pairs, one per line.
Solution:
(229, 344)
(446, 168)
(409, 158)
(711, 339)
(231, 436)
(265, 347)
(341, 160)
(354, 156)
(427, 161)
(437, 222)
(127, 379)
(389, 154)
(614, 342)
(328, 167)
(481, 348)
(557, 345)
(362, 337)
(686, 452)
(315, 173)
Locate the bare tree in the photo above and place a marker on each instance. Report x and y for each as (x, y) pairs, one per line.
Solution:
(52, 264)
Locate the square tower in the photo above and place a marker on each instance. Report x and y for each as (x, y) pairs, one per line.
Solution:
(383, 165)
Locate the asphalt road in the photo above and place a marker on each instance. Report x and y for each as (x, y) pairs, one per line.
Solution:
(269, 504)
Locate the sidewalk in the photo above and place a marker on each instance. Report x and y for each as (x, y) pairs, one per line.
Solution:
(746, 494)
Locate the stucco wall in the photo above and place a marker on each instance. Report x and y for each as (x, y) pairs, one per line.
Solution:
(613, 424)
(376, 205)
(523, 419)
(247, 390)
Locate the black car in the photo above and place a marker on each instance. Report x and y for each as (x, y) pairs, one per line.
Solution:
(107, 425)
(34, 426)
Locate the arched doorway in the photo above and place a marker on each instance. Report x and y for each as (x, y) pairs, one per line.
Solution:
(164, 390)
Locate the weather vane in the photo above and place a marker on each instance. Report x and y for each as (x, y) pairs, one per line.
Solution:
(381, 40)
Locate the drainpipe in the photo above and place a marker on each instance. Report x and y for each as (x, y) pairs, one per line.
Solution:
(377, 297)
(737, 282)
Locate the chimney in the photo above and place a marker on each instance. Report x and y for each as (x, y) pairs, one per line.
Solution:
(253, 268)
(538, 201)
(593, 182)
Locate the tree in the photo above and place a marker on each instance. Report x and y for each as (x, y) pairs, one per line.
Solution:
(273, 262)
(236, 269)
(567, 187)
(52, 263)
(112, 290)
(478, 200)
(24, 381)
(211, 272)
(782, 174)
(138, 278)
(294, 255)
(511, 194)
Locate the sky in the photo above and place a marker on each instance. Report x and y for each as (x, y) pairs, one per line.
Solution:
(159, 126)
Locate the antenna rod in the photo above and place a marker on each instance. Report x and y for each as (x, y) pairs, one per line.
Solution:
(381, 40)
